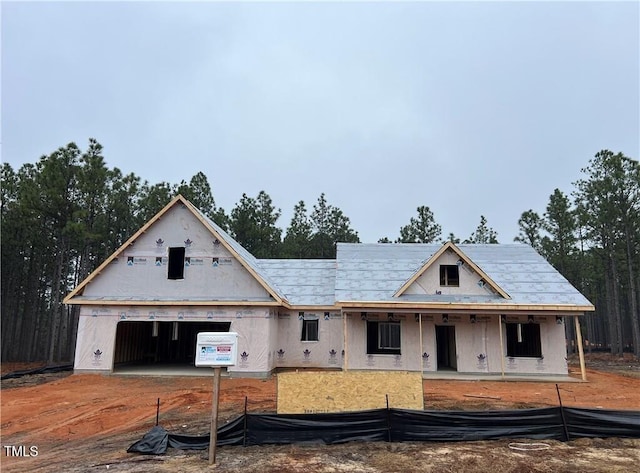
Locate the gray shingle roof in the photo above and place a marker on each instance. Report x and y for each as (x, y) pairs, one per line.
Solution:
(304, 282)
(373, 272)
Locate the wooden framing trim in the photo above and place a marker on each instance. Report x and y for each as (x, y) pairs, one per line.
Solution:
(421, 341)
(445, 306)
(175, 303)
(69, 299)
(229, 248)
(502, 353)
(583, 369)
(345, 344)
(450, 246)
(421, 270)
(315, 308)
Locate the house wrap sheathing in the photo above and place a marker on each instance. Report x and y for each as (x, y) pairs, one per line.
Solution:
(473, 309)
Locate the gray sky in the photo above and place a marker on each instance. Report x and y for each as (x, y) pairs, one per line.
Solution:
(468, 108)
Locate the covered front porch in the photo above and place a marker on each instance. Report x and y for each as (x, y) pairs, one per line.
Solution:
(460, 344)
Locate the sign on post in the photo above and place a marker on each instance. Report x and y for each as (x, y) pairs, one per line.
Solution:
(215, 350)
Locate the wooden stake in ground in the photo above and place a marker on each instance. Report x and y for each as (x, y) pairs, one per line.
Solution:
(213, 437)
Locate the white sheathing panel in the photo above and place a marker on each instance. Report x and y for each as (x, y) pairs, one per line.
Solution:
(472, 344)
(141, 271)
(273, 339)
(429, 281)
(292, 352)
(429, 355)
(494, 355)
(410, 358)
(95, 342)
(254, 328)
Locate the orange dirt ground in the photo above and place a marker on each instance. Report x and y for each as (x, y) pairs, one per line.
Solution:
(51, 410)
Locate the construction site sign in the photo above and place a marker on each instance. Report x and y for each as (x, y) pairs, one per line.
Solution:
(216, 349)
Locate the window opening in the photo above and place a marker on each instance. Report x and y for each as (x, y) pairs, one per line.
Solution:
(449, 275)
(176, 263)
(383, 338)
(523, 340)
(310, 330)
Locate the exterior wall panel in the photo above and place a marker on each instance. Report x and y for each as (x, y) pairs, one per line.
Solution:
(292, 352)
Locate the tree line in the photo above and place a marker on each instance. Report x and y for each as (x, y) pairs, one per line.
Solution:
(66, 213)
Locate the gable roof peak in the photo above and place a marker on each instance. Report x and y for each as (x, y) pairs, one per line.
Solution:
(463, 259)
(244, 257)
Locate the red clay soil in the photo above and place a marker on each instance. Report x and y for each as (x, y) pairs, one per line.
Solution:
(82, 406)
(85, 405)
(59, 408)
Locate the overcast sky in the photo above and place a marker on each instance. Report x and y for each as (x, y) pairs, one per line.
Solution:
(469, 108)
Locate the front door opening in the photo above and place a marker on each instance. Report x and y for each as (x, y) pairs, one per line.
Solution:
(160, 342)
(446, 347)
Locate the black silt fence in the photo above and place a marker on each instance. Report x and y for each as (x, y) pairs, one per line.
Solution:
(399, 425)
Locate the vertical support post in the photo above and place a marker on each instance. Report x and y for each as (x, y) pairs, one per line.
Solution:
(345, 361)
(501, 346)
(583, 369)
(213, 437)
(158, 412)
(421, 342)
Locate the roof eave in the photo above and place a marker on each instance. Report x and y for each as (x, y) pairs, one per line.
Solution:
(445, 307)
(183, 302)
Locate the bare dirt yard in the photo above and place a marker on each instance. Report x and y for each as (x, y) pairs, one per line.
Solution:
(85, 423)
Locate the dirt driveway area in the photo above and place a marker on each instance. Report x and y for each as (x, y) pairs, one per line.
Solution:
(84, 423)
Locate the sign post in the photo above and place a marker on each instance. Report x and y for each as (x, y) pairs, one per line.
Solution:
(215, 350)
(213, 436)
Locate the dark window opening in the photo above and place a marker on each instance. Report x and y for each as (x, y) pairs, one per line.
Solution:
(449, 275)
(383, 338)
(176, 263)
(523, 340)
(309, 330)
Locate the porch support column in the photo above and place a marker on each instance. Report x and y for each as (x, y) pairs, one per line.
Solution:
(421, 347)
(345, 364)
(501, 346)
(583, 369)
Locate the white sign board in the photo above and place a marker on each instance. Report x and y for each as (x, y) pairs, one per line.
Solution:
(216, 349)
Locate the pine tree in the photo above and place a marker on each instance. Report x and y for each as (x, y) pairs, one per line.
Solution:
(423, 229)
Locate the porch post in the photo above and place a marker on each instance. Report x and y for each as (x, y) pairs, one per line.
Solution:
(583, 369)
(421, 347)
(501, 346)
(345, 364)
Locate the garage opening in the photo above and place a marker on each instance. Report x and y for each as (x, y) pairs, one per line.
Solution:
(160, 343)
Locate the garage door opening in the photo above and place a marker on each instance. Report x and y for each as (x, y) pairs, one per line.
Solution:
(160, 343)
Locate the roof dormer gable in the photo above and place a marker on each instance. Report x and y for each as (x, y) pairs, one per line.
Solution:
(450, 272)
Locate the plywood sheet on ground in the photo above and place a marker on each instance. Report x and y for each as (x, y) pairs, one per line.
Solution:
(342, 391)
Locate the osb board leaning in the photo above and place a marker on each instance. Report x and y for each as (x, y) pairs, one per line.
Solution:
(342, 391)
